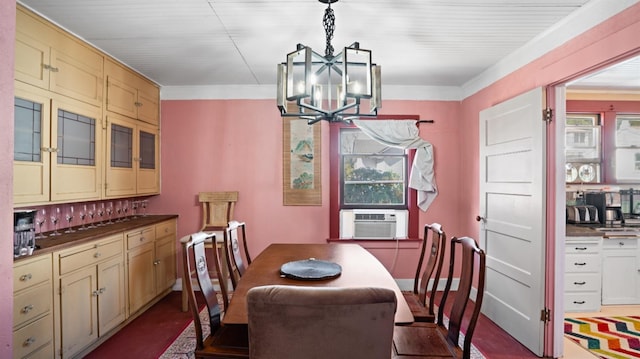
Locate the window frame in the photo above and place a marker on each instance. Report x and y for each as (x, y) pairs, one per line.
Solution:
(335, 181)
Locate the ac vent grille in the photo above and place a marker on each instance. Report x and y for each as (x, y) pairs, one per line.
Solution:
(374, 217)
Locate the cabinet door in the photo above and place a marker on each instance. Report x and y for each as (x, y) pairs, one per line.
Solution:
(165, 263)
(121, 97)
(76, 163)
(148, 174)
(620, 277)
(78, 311)
(31, 57)
(31, 159)
(142, 283)
(111, 297)
(147, 104)
(121, 175)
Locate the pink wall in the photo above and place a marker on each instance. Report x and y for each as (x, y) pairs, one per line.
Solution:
(219, 145)
(616, 38)
(7, 36)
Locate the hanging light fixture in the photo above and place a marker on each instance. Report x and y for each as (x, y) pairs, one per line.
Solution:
(333, 88)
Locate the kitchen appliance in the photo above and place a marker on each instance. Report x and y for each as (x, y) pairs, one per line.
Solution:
(598, 200)
(24, 233)
(613, 216)
(584, 214)
(630, 205)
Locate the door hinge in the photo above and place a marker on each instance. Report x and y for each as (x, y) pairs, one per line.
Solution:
(545, 315)
(547, 114)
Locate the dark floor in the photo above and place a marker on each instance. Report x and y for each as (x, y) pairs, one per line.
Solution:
(150, 334)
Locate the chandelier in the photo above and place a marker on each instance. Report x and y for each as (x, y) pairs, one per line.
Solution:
(334, 88)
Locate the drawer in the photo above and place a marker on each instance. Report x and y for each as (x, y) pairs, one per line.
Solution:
(89, 255)
(577, 282)
(582, 302)
(585, 263)
(32, 272)
(582, 247)
(620, 243)
(140, 237)
(32, 337)
(31, 303)
(164, 229)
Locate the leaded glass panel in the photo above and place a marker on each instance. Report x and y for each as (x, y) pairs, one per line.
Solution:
(121, 146)
(76, 139)
(27, 133)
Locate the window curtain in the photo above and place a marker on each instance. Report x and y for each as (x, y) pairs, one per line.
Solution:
(405, 134)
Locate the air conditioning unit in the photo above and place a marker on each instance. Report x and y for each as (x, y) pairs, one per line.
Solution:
(373, 224)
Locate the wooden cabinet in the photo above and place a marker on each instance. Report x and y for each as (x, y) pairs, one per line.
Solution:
(621, 271)
(58, 148)
(51, 59)
(90, 293)
(130, 94)
(151, 262)
(32, 308)
(583, 256)
(132, 165)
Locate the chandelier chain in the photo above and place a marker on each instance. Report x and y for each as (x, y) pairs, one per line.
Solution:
(329, 22)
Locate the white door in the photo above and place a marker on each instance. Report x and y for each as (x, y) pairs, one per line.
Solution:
(512, 210)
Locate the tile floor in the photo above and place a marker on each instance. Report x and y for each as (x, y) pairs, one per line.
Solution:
(575, 351)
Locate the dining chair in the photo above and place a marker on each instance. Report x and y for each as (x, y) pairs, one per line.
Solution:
(293, 322)
(233, 235)
(217, 211)
(223, 341)
(440, 340)
(417, 300)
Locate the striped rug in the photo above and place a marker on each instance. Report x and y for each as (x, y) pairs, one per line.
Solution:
(606, 337)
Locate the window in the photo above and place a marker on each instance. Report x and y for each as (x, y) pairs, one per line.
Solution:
(583, 148)
(372, 175)
(627, 148)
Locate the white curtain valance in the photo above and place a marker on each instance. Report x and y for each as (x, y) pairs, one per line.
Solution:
(405, 134)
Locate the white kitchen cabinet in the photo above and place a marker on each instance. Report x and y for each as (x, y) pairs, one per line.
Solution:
(621, 271)
(583, 258)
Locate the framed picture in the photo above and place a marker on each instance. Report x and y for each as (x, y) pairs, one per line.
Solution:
(301, 184)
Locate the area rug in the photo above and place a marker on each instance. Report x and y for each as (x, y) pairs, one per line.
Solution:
(185, 344)
(606, 337)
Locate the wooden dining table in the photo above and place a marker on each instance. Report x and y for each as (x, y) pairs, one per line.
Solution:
(359, 269)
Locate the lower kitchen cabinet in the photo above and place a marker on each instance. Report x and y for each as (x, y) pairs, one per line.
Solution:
(32, 308)
(583, 257)
(621, 271)
(90, 283)
(151, 258)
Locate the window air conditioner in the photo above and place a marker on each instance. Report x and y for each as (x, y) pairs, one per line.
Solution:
(373, 224)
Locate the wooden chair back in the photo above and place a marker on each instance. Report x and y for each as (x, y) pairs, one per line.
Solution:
(235, 234)
(195, 260)
(473, 262)
(293, 322)
(434, 263)
(217, 209)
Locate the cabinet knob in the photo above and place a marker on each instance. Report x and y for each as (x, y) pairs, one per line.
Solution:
(26, 309)
(25, 277)
(102, 290)
(621, 243)
(29, 341)
(97, 255)
(95, 293)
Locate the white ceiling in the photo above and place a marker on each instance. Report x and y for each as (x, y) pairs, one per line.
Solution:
(239, 42)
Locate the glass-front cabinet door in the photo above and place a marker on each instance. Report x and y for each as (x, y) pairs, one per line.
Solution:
(57, 145)
(148, 180)
(31, 156)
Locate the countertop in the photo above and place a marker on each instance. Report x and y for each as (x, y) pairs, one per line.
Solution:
(65, 240)
(573, 230)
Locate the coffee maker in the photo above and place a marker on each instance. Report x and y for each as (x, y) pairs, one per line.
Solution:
(24, 234)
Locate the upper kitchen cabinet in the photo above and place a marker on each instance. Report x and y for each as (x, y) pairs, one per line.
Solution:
(132, 165)
(49, 58)
(130, 94)
(58, 148)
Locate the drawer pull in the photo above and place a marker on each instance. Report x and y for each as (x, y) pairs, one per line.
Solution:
(155, 263)
(581, 248)
(25, 277)
(27, 309)
(579, 302)
(621, 243)
(29, 341)
(580, 264)
(97, 255)
(141, 239)
(579, 283)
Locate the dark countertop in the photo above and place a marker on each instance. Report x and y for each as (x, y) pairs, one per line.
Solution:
(65, 240)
